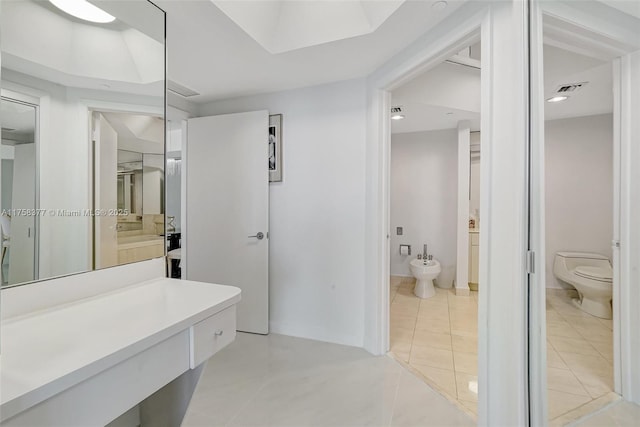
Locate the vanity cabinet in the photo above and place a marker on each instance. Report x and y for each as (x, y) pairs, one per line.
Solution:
(474, 258)
(211, 335)
(106, 352)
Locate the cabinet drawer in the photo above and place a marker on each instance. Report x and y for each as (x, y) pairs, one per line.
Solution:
(211, 335)
(475, 239)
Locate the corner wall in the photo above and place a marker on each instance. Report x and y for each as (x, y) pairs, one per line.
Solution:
(317, 214)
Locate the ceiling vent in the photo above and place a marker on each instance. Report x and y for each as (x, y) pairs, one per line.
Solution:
(570, 87)
(180, 90)
(396, 110)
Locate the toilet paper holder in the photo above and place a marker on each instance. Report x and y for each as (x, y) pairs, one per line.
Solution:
(408, 249)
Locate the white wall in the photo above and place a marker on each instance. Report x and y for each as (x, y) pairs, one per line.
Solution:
(317, 214)
(579, 187)
(7, 182)
(474, 182)
(424, 179)
(152, 186)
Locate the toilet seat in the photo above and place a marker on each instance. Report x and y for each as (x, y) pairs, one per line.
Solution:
(595, 273)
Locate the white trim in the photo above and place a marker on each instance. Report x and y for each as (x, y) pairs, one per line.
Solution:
(502, 305)
(183, 202)
(617, 208)
(537, 348)
(502, 333)
(629, 334)
(462, 229)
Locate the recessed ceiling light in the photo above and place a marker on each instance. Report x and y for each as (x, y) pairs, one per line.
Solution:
(558, 99)
(439, 5)
(84, 10)
(397, 117)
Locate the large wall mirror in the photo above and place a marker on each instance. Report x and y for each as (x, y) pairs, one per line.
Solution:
(83, 136)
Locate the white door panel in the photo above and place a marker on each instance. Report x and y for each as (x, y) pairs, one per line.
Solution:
(106, 192)
(228, 201)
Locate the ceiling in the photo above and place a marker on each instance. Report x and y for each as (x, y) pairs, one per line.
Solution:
(448, 93)
(211, 54)
(138, 133)
(439, 99)
(303, 24)
(76, 53)
(18, 123)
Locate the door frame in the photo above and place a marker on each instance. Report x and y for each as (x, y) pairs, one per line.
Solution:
(23, 95)
(603, 39)
(91, 106)
(502, 323)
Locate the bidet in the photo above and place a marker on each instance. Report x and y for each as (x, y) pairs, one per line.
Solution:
(425, 271)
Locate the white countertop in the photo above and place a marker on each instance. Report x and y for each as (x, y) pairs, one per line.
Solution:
(46, 352)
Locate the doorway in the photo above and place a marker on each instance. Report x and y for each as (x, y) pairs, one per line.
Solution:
(434, 223)
(579, 124)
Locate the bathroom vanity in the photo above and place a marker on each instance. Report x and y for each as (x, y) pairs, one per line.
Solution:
(84, 355)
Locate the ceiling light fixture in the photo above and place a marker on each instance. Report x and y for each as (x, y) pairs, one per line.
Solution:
(397, 117)
(84, 10)
(439, 5)
(558, 99)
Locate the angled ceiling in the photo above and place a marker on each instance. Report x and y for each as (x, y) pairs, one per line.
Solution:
(211, 54)
(138, 133)
(304, 24)
(75, 53)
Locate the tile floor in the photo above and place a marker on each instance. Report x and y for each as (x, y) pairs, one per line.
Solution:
(620, 414)
(579, 356)
(437, 337)
(284, 381)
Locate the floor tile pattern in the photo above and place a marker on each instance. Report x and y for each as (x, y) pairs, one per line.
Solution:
(620, 414)
(277, 380)
(437, 337)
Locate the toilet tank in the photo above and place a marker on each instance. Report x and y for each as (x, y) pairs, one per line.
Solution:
(568, 261)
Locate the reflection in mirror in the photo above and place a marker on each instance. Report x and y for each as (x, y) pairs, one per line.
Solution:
(174, 196)
(129, 196)
(18, 192)
(87, 190)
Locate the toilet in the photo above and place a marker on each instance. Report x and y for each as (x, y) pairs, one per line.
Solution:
(592, 276)
(424, 274)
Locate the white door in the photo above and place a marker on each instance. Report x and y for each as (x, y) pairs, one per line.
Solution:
(227, 197)
(106, 192)
(22, 243)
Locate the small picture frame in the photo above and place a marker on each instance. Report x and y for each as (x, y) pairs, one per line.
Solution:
(275, 148)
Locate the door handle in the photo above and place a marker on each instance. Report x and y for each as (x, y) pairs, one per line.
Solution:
(258, 236)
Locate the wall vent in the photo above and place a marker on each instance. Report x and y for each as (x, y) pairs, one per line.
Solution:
(180, 90)
(570, 87)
